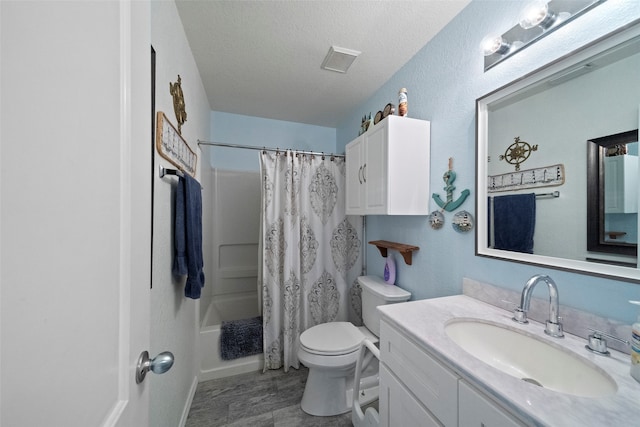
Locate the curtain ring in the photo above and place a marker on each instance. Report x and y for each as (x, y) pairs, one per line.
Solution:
(323, 155)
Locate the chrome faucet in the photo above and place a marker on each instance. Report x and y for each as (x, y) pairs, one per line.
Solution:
(553, 326)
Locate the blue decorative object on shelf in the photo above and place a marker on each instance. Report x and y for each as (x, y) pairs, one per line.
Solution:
(390, 270)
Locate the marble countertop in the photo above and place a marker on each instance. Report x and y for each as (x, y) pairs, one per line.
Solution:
(424, 321)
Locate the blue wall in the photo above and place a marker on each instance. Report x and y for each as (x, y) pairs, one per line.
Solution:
(258, 132)
(443, 80)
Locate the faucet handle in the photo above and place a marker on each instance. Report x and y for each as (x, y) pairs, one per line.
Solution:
(519, 315)
(597, 344)
(554, 329)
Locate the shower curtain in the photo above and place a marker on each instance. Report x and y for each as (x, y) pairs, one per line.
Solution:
(311, 251)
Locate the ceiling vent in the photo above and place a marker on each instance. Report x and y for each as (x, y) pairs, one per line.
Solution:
(339, 59)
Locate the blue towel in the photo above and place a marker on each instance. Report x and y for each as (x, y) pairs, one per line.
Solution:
(188, 236)
(514, 221)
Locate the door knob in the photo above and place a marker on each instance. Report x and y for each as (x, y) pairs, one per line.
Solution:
(158, 365)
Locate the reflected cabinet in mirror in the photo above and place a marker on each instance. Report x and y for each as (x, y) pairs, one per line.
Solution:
(612, 180)
(550, 150)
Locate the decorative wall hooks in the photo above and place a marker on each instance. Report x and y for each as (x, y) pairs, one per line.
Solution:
(518, 152)
(547, 176)
(175, 89)
(449, 178)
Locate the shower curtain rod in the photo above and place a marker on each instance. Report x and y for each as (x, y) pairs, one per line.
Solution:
(251, 147)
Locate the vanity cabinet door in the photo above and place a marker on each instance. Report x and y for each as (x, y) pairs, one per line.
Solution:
(428, 380)
(475, 410)
(398, 407)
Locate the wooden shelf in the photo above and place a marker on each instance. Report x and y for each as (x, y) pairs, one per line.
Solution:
(405, 250)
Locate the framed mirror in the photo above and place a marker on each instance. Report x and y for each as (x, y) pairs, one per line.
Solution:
(531, 146)
(612, 181)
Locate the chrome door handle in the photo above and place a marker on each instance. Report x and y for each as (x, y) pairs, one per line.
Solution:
(158, 365)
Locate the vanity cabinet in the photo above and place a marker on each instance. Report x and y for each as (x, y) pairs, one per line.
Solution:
(388, 169)
(620, 181)
(416, 388)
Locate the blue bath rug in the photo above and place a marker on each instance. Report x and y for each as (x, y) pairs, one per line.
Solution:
(240, 338)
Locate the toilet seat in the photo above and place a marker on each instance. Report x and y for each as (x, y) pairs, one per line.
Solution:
(332, 339)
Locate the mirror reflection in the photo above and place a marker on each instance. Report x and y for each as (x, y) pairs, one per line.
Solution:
(612, 178)
(533, 143)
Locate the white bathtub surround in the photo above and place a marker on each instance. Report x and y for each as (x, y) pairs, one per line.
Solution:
(231, 220)
(424, 322)
(230, 307)
(311, 250)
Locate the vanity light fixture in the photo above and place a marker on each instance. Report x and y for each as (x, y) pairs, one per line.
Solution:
(536, 21)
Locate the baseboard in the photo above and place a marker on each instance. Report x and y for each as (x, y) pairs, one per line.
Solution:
(187, 406)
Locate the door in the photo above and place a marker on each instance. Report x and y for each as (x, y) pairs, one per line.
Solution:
(75, 212)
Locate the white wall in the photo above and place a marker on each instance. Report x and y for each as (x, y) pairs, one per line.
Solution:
(173, 316)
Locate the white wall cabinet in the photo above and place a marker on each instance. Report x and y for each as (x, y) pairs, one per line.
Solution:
(416, 388)
(388, 169)
(621, 184)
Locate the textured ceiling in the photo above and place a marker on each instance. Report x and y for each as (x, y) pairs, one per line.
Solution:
(262, 58)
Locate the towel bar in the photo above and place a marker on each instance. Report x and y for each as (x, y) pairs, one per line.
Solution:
(165, 171)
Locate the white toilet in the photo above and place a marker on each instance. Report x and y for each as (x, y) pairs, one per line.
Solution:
(330, 351)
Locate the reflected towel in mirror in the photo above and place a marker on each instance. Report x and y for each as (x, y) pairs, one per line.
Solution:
(513, 222)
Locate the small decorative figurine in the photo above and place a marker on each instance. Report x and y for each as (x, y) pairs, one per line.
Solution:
(449, 178)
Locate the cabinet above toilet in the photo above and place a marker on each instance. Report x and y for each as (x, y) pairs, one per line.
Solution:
(388, 169)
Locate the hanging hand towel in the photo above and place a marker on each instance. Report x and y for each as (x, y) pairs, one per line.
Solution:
(514, 220)
(188, 236)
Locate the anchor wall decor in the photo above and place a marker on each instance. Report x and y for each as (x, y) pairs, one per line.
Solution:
(449, 177)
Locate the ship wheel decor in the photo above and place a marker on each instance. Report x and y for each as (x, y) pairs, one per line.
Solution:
(175, 89)
(518, 152)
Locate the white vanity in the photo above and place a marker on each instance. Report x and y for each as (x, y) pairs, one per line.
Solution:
(426, 379)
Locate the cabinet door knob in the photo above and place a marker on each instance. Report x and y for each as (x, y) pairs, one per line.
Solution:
(360, 174)
(364, 172)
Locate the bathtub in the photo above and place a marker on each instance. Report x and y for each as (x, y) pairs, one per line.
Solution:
(219, 308)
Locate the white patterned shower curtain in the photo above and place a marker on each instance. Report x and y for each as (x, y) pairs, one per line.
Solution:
(311, 251)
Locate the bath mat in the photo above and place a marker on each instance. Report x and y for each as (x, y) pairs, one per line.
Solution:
(240, 338)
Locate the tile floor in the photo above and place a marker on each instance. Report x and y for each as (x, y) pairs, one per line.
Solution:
(256, 399)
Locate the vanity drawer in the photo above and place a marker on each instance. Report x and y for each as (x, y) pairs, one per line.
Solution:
(398, 407)
(431, 382)
(479, 411)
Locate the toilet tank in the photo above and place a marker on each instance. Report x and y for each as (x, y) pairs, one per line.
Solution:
(376, 292)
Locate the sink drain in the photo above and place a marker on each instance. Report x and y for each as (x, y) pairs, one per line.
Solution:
(532, 381)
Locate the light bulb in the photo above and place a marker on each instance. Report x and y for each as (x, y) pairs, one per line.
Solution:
(537, 15)
(495, 44)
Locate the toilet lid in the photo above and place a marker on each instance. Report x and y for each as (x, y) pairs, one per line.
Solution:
(332, 338)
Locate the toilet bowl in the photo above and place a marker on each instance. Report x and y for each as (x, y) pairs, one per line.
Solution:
(331, 350)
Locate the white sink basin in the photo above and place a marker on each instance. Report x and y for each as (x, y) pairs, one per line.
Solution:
(530, 358)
